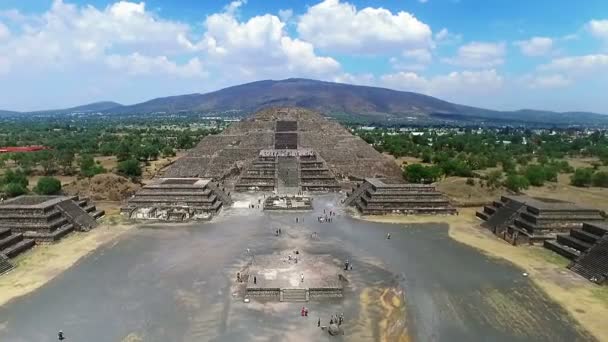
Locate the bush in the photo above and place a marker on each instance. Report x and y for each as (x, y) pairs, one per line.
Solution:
(516, 183)
(88, 167)
(494, 178)
(14, 189)
(600, 179)
(48, 186)
(535, 175)
(129, 168)
(15, 177)
(416, 173)
(582, 177)
(470, 181)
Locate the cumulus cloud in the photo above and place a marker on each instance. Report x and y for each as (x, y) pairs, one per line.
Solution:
(444, 36)
(137, 64)
(260, 47)
(339, 26)
(535, 46)
(285, 14)
(4, 32)
(578, 65)
(546, 81)
(598, 28)
(478, 55)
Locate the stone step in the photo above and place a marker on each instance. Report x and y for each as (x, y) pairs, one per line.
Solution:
(18, 248)
(572, 242)
(98, 213)
(5, 232)
(294, 295)
(10, 240)
(560, 249)
(584, 236)
(596, 228)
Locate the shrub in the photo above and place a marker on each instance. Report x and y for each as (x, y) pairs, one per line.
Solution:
(600, 179)
(516, 183)
(130, 167)
(470, 181)
(582, 177)
(48, 186)
(416, 173)
(14, 189)
(535, 175)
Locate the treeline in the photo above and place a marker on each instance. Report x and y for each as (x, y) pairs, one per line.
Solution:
(74, 146)
(522, 158)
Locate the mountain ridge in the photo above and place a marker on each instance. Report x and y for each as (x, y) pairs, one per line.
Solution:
(340, 100)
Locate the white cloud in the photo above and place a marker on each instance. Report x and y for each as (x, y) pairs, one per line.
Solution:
(478, 55)
(598, 28)
(423, 1)
(578, 65)
(285, 14)
(535, 46)
(4, 32)
(136, 64)
(446, 37)
(260, 47)
(546, 81)
(340, 26)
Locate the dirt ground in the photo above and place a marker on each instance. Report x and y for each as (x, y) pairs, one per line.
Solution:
(108, 162)
(155, 166)
(586, 302)
(464, 195)
(593, 197)
(65, 180)
(43, 263)
(103, 187)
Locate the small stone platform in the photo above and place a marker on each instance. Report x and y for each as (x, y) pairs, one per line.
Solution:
(288, 203)
(177, 199)
(279, 277)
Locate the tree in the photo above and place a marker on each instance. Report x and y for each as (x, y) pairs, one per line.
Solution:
(65, 160)
(600, 179)
(130, 168)
(14, 189)
(168, 152)
(582, 177)
(88, 167)
(516, 183)
(48, 186)
(15, 177)
(416, 173)
(494, 179)
(184, 141)
(535, 175)
(48, 161)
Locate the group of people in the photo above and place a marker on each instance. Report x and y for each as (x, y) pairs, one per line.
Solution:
(278, 232)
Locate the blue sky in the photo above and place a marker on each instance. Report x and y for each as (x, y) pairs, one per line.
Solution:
(502, 54)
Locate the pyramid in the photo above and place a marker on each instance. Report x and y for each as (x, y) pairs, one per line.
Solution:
(250, 150)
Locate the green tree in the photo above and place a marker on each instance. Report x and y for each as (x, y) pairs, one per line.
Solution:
(417, 173)
(494, 179)
(88, 167)
(65, 160)
(129, 168)
(48, 186)
(14, 189)
(516, 183)
(582, 177)
(535, 175)
(600, 179)
(15, 177)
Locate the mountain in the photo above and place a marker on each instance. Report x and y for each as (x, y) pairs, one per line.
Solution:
(97, 107)
(350, 102)
(342, 101)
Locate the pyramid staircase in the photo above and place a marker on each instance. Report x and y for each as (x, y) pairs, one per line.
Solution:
(315, 175)
(260, 175)
(587, 247)
(5, 264)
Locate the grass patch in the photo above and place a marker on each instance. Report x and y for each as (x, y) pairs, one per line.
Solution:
(601, 293)
(549, 256)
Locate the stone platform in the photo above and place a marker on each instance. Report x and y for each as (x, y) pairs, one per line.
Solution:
(279, 277)
(288, 203)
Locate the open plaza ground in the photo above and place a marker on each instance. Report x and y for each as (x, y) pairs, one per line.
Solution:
(177, 282)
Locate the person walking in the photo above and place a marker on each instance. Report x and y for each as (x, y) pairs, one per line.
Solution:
(319, 322)
(255, 280)
(302, 277)
(388, 236)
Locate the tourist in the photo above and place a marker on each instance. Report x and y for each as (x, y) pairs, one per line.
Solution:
(279, 231)
(305, 312)
(319, 322)
(255, 280)
(238, 277)
(60, 336)
(302, 277)
(388, 236)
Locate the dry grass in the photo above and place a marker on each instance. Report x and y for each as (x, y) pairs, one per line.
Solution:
(585, 302)
(462, 194)
(108, 162)
(43, 263)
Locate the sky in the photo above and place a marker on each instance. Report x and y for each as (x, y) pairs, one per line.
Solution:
(498, 54)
